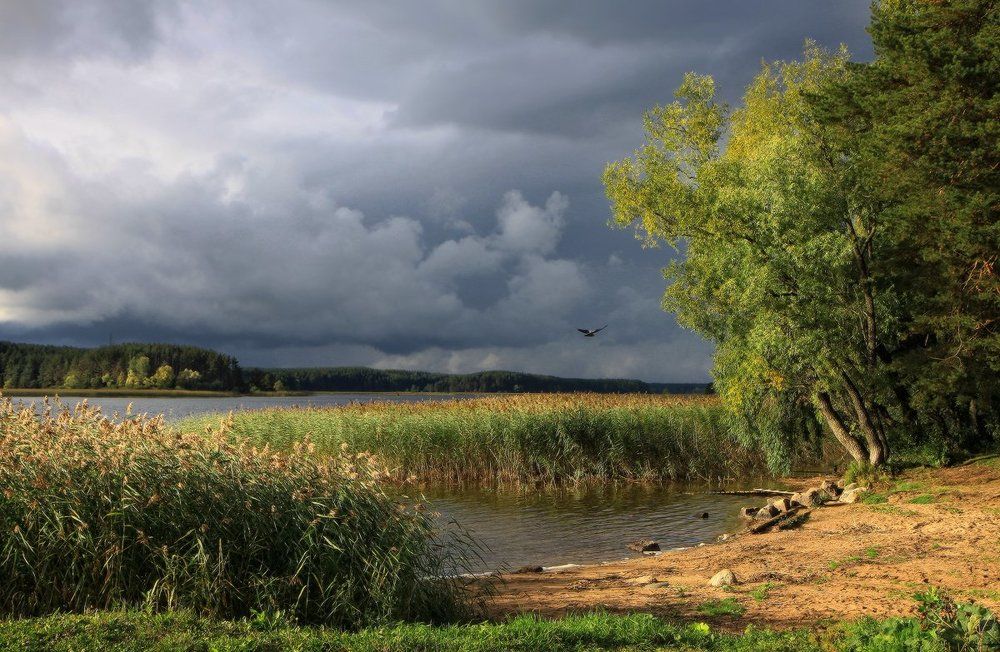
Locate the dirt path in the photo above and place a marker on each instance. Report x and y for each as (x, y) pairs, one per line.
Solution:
(938, 527)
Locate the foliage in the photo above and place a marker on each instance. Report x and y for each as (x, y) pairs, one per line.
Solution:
(803, 216)
(724, 607)
(117, 366)
(99, 514)
(548, 438)
(919, 124)
(941, 626)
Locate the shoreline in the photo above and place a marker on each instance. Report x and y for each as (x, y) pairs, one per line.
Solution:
(935, 527)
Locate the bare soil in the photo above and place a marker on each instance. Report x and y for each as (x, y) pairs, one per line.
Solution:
(939, 527)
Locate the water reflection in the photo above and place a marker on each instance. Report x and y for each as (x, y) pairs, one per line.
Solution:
(584, 525)
(176, 408)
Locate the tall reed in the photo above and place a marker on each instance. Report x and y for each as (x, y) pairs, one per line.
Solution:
(98, 513)
(536, 438)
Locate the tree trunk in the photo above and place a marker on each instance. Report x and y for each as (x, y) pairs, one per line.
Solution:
(877, 445)
(854, 446)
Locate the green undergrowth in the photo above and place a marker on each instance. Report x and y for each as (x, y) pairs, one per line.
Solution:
(526, 439)
(941, 627)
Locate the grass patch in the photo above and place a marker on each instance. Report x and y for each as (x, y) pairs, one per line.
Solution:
(763, 592)
(923, 499)
(528, 439)
(895, 510)
(134, 631)
(130, 631)
(834, 565)
(101, 514)
(871, 553)
(908, 485)
(720, 608)
(874, 498)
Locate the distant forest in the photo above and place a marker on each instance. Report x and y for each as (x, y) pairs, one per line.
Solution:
(131, 366)
(348, 379)
(169, 366)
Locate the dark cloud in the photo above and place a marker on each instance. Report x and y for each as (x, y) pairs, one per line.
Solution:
(394, 183)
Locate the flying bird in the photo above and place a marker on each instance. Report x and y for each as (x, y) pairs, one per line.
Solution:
(590, 333)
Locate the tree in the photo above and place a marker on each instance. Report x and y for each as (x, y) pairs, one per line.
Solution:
(188, 379)
(138, 372)
(919, 123)
(782, 259)
(163, 378)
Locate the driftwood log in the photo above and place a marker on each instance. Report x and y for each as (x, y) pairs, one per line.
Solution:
(795, 514)
(755, 492)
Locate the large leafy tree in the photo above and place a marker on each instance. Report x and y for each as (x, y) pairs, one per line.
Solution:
(921, 125)
(780, 264)
(839, 232)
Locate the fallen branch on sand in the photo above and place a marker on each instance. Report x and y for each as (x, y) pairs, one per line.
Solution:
(785, 518)
(755, 492)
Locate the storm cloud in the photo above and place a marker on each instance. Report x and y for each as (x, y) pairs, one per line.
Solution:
(343, 182)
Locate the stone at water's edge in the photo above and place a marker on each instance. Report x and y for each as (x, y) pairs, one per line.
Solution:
(766, 512)
(644, 545)
(724, 577)
(813, 497)
(749, 512)
(782, 505)
(529, 569)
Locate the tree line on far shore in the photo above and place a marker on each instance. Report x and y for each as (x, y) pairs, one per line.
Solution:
(169, 366)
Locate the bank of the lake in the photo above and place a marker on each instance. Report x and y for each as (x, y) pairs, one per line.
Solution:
(924, 528)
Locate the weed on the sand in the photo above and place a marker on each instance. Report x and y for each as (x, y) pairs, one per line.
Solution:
(763, 592)
(721, 608)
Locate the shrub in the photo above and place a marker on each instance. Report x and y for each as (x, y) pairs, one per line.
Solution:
(96, 513)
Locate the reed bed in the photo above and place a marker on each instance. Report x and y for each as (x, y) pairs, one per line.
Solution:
(99, 513)
(520, 439)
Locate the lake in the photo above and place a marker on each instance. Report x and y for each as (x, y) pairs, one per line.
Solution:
(586, 525)
(176, 408)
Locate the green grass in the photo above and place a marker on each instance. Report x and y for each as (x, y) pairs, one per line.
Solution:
(871, 553)
(724, 607)
(874, 498)
(834, 565)
(895, 510)
(99, 514)
(527, 439)
(923, 499)
(945, 626)
(134, 631)
(763, 592)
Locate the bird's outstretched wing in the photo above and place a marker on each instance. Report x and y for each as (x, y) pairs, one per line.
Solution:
(601, 328)
(583, 330)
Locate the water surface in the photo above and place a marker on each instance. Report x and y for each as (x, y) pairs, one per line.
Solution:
(552, 527)
(176, 408)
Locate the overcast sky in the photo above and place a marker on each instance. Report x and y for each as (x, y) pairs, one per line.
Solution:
(390, 183)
